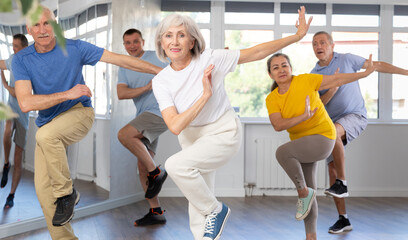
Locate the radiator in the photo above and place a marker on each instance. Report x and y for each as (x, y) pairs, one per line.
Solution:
(269, 174)
(81, 157)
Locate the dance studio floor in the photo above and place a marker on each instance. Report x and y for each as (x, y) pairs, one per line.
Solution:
(260, 218)
(26, 204)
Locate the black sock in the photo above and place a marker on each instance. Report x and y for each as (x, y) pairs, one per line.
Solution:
(6, 165)
(157, 210)
(11, 195)
(154, 172)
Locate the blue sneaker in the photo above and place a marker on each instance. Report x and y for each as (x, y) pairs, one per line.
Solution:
(305, 204)
(215, 223)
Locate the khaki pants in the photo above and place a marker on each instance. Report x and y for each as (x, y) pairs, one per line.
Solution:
(51, 176)
(204, 150)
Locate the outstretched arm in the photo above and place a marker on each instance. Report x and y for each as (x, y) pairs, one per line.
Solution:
(384, 67)
(125, 92)
(129, 62)
(328, 95)
(279, 123)
(31, 102)
(177, 122)
(336, 80)
(6, 86)
(263, 50)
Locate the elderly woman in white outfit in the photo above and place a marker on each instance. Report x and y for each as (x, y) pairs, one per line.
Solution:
(195, 106)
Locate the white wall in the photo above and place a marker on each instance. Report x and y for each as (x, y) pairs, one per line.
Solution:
(376, 162)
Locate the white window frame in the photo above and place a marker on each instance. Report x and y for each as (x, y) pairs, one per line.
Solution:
(93, 33)
(384, 29)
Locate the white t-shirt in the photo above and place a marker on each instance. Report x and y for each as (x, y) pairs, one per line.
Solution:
(183, 88)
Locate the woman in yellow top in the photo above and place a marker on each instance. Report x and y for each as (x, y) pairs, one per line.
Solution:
(294, 105)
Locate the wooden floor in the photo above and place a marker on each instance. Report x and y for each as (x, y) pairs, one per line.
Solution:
(260, 218)
(26, 204)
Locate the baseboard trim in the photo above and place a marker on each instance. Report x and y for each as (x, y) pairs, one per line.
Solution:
(11, 229)
(379, 193)
(320, 192)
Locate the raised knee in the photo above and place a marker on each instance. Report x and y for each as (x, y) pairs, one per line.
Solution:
(122, 135)
(280, 153)
(168, 165)
(42, 137)
(171, 165)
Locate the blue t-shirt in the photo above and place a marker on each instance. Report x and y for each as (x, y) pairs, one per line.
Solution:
(145, 102)
(348, 98)
(12, 101)
(53, 72)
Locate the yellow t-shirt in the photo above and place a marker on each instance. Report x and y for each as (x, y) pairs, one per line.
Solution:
(293, 102)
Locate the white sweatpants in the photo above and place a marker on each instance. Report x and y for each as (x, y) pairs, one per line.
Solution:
(204, 149)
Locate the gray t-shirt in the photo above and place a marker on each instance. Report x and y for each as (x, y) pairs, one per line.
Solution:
(145, 102)
(12, 101)
(348, 98)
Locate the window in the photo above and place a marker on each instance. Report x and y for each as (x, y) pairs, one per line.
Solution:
(400, 18)
(248, 24)
(6, 49)
(362, 44)
(289, 14)
(249, 84)
(356, 29)
(93, 25)
(354, 14)
(199, 11)
(301, 55)
(399, 82)
(258, 13)
(400, 50)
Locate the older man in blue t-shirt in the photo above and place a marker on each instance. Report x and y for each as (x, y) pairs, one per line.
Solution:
(140, 136)
(346, 108)
(50, 81)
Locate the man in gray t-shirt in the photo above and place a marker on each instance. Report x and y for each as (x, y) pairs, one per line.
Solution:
(140, 136)
(346, 108)
(17, 126)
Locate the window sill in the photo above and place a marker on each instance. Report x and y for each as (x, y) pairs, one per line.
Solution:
(263, 121)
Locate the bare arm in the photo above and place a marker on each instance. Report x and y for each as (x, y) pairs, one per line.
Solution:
(178, 122)
(384, 67)
(336, 80)
(129, 62)
(279, 123)
(6, 86)
(327, 96)
(263, 50)
(3, 65)
(125, 92)
(31, 102)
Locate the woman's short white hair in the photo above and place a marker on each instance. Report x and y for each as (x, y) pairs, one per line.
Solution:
(191, 28)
